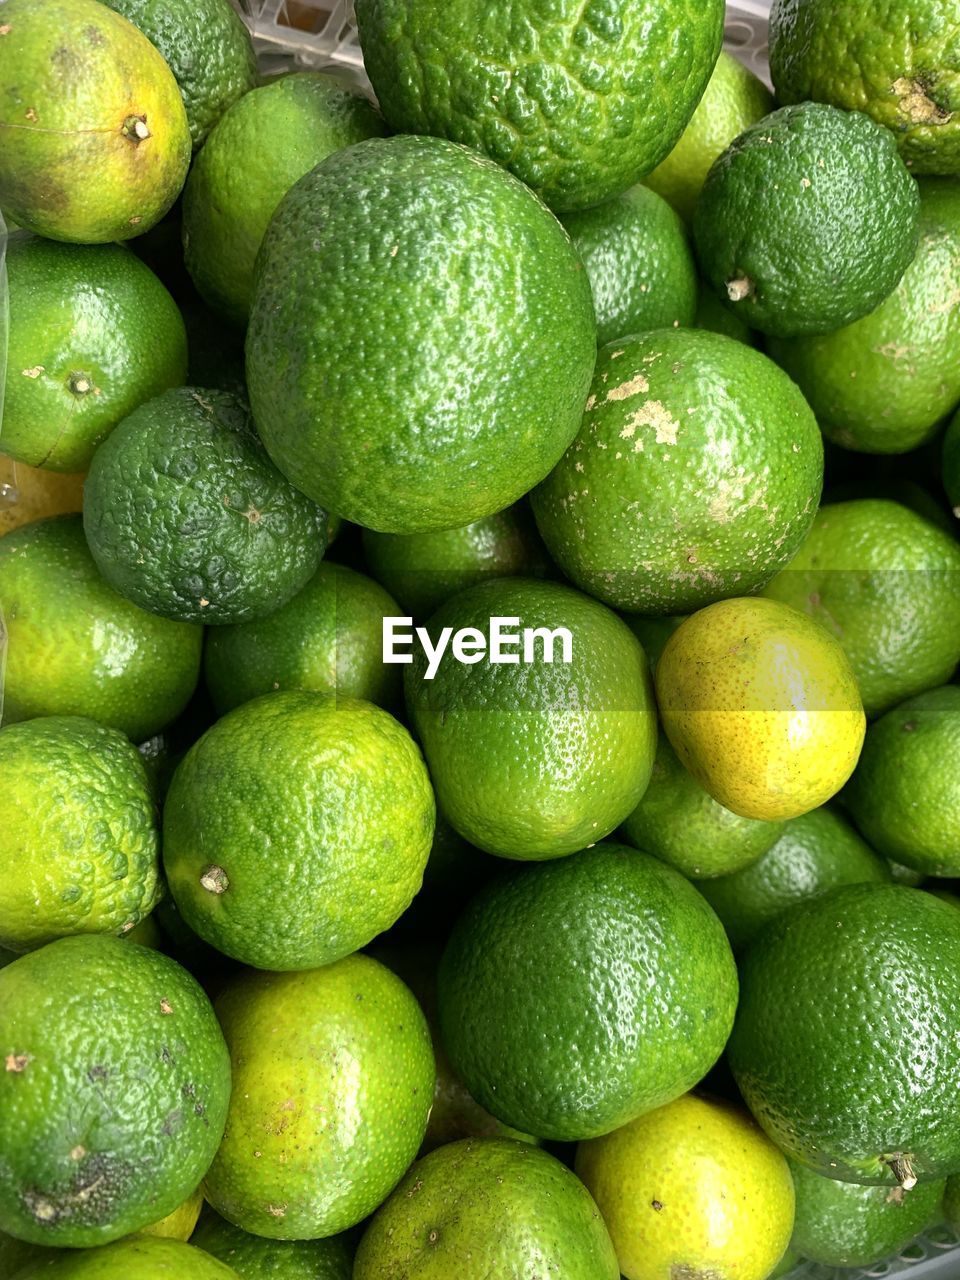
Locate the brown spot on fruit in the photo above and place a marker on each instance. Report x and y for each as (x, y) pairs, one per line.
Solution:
(17, 1062)
(166, 1006)
(656, 1205)
(916, 105)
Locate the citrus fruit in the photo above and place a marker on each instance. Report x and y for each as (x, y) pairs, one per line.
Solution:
(682, 824)
(180, 1222)
(760, 221)
(578, 994)
(115, 1090)
(187, 516)
(422, 570)
(905, 794)
(346, 1043)
(578, 103)
(96, 139)
(691, 1189)
(262, 145)
(207, 47)
(714, 316)
(733, 99)
(815, 852)
(898, 62)
(327, 639)
(695, 475)
(886, 583)
(485, 343)
(884, 383)
(761, 705)
(93, 333)
(843, 1224)
(28, 493)
(951, 462)
(141, 1257)
(80, 848)
(820, 1007)
(76, 647)
(333, 787)
(551, 753)
(636, 254)
(487, 1207)
(255, 1258)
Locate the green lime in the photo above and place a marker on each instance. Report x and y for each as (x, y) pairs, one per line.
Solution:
(843, 1224)
(682, 824)
(332, 1084)
(327, 639)
(692, 1189)
(696, 475)
(76, 647)
(93, 333)
(897, 62)
(733, 99)
(96, 141)
(115, 1091)
(636, 254)
(208, 48)
(578, 104)
(187, 516)
(422, 570)
(317, 840)
(759, 223)
(951, 463)
(816, 852)
(262, 145)
(144, 1258)
(256, 1258)
(497, 1207)
(551, 753)
(576, 995)
(884, 383)
(905, 794)
(80, 848)
(850, 1061)
(484, 349)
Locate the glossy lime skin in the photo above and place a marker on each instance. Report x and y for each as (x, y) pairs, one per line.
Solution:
(496, 1207)
(818, 851)
(485, 347)
(578, 104)
(820, 1007)
(535, 760)
(808, 220)
(256, 1258)
(187, 516)
(578, 994)
(142, 1257)
(695, 475)
(80, 853)
(347, 1043)
(333, 787)
(841, 1224)
(897, 61)
(73, 166)
(76, 647)
(208, 48)
(93, 333)
(635, 251)
(115, 1093)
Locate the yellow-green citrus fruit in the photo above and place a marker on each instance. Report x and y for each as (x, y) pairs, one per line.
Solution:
(257, 1258)
(139, 1257)
(180, 1222)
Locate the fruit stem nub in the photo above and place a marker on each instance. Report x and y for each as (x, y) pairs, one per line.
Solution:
(214, 880)
(739, 289)
(79, 384)
(902, 1170)
(135, 128)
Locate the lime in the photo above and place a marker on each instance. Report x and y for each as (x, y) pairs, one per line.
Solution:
(180, 1222)
(549, 754)
(761, 705)
(76, 647)
(115, 1091)
(695, 475)
(97, 144)
(187, 516)
(93, 333)
(820, 1007)
(635, 251)
(256, 1258)
(346, 1043)
(578, 994)
(80, 849)
(28, 494)
(691, 1189)
(485, 343)
(487, 1207)
(759, 223)
(317, 844)
(144, 1258)
(717, 317)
